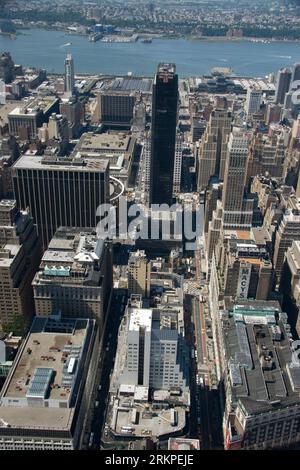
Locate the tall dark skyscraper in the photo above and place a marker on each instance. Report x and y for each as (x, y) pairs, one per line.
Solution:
(164, 121)
(60, 191)
(296, 72)
(283, 85)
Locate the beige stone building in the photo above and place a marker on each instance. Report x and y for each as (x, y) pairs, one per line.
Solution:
(19, 258)
(139, 274)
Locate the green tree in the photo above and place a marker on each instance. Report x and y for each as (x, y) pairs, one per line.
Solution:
(17, 325)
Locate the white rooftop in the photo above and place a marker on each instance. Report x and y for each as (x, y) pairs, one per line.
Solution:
(140, 317)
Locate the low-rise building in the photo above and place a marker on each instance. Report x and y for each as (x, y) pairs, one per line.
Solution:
(46, 396)
(261, 372)
(24, 120)
(75, 276)
(117, 148)
(180, 443)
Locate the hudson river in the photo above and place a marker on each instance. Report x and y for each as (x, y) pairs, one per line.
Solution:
(47, 49)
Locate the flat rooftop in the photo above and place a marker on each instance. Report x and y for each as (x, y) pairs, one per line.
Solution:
(5, 110)
(33, 162)
(130, 84)
(238, 234)
(258, 84)
(71, 256)
(177, 443)
(140, 317)
(118, 142)
(148, 423)
(43, 375)
(8, 253)
(31, 107)
(261, 235)
(46, 351)
(258, 352)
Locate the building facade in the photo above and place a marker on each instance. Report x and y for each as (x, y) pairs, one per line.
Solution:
(69, 75)
(284, 78)
(20, 253)
(116, 108)
(261, 378)
(253, 100)
(75, 276)
(61, 191)
(138, 274)
(163, 134)
(47, 394)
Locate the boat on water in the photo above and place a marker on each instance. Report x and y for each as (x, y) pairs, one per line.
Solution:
(147, 40)
(95, 37)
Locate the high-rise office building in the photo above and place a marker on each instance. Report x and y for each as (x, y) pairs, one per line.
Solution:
(151, 366)
(58, 127)
(273, 113)
(20, 253)
(23, 122)
(253, 100)
(163, 138)
(151, 350)
(61, 191)
(73, 110)
(290, 285)
(266, 156)
(116, 108)
(215, 227)
(213, 146)
(237, 209)
(298, 186)
(198, 127)
(7, 68)
(9, 152)
(177, 173)
(139, 115)
(211, 197)
(69, 75)
(288, 231)
(295, 74)
(207, 159)
(177, 166)
(245, 266)
(283, 85)
(139, 274)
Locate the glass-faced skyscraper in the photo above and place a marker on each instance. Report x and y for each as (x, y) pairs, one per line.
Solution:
(163, 137)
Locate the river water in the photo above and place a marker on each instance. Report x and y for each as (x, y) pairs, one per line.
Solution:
(47, 49)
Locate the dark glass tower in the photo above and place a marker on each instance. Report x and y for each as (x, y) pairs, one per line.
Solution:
(164, 121)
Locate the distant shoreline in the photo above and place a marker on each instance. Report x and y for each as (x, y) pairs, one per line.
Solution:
(160, 36)
(244, 38)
